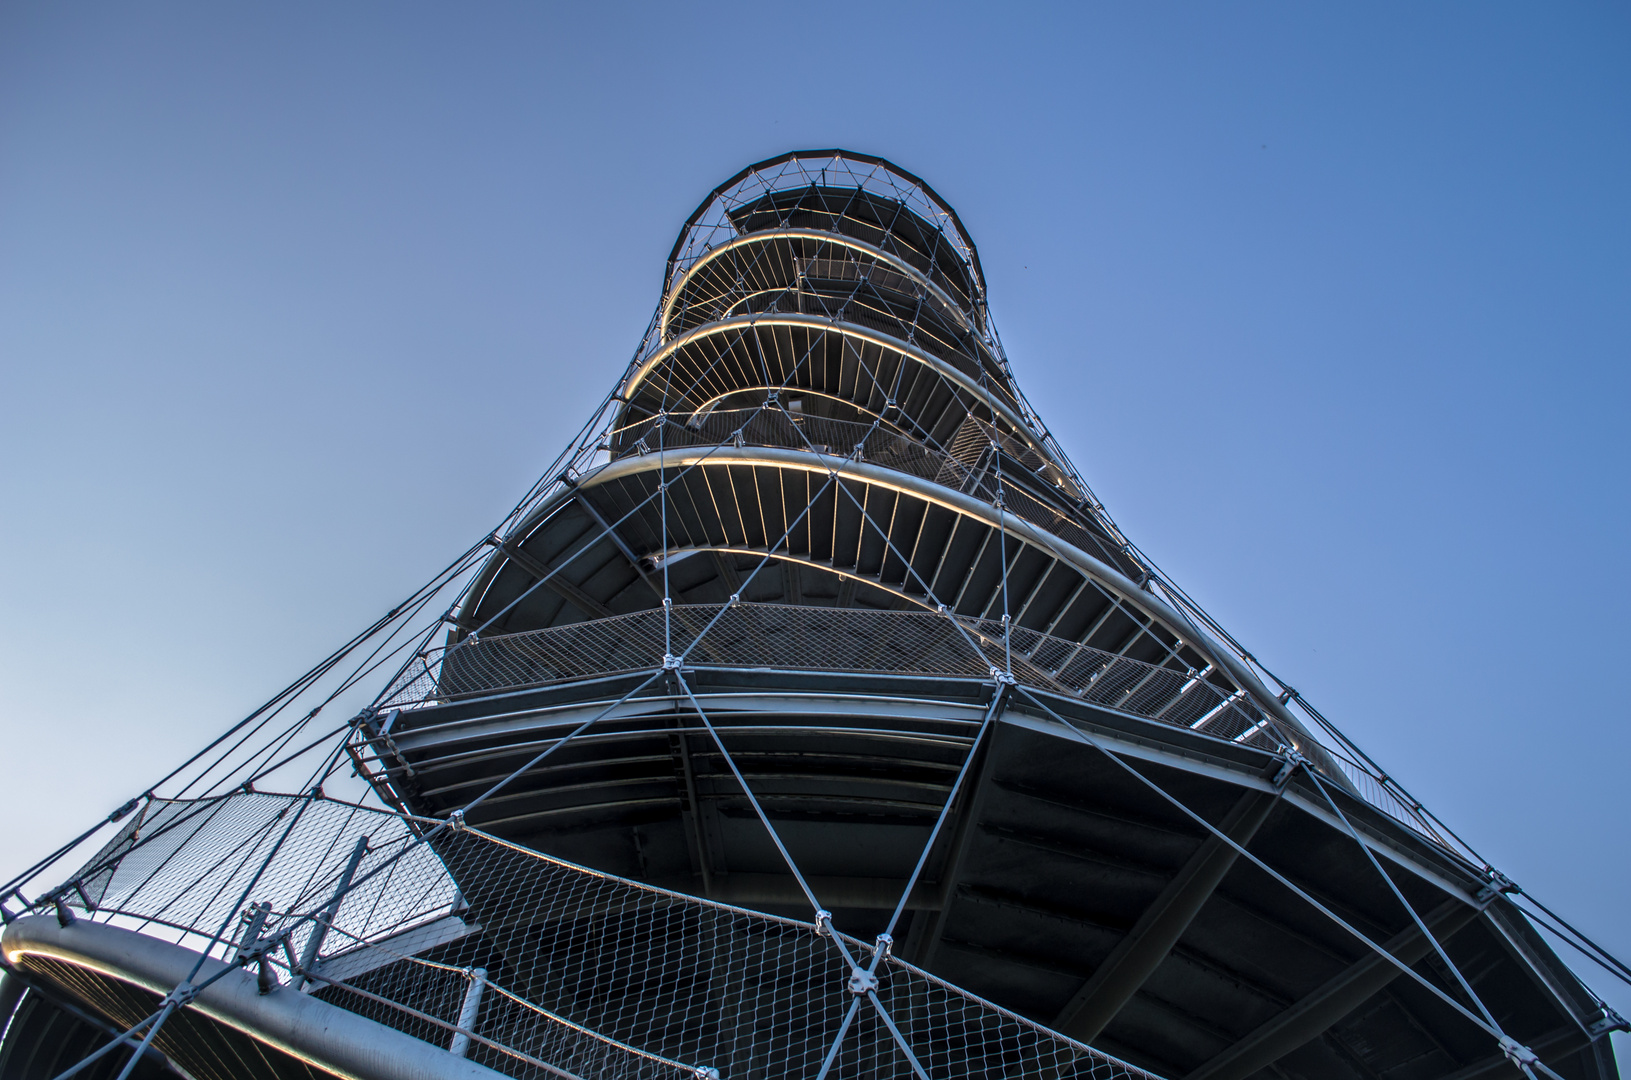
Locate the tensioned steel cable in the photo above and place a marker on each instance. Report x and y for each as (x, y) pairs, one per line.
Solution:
(1239, 849)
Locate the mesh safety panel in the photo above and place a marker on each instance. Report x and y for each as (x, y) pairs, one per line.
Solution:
(565, 971)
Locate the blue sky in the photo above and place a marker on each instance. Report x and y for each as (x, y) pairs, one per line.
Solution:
(1332, 307)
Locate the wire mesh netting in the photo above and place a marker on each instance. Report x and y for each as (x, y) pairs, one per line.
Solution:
(721, 217)
(557, 970)
(969, 469)
(783, 637)
(823, 639)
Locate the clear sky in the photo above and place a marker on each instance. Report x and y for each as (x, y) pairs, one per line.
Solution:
(1331, 305)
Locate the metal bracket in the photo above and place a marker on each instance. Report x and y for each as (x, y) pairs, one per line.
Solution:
(1517, 1053)
(1609, 1021)
(266, 979)
(455, 821)
(6, 914)
(65, 915)
(823, 921)
(862, 981)
(254, 949)
(1293, 761)
(1497, 885)
(670, 662)
(254, 921)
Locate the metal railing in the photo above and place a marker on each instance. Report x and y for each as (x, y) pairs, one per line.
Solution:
(801, 638)
(863, 641)
(976, 476)
(536, 967)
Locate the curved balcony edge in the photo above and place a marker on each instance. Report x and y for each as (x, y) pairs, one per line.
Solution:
(312, 1030)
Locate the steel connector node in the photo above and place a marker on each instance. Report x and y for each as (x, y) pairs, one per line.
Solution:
(1498, 884)
(1608, 1021)
(266, 980)
(65, 914)
(1288, 768)
(1517, 1053)
(182, 995)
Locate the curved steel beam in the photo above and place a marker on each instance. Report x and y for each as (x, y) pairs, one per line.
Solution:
(890, 428)
(800, 560)
(1015, 421)
(817, 155)
(1102, 573)
(326, 1036)
(836, 239)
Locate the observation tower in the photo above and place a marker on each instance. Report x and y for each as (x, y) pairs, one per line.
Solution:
(810, 718)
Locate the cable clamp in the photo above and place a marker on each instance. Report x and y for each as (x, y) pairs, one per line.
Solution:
(1609, 1021)
(885, 946)
(1286, 695)
(862, 982)
(707, 1072)
(1517, 1053)
(670, 662)
(182, 995)
(1293, 761)
(254, 919)
(455, 821)
(736, 598)
(1003, 678)
(1497, 885)
(823, 921)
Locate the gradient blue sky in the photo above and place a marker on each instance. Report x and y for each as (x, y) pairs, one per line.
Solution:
(1329, 304)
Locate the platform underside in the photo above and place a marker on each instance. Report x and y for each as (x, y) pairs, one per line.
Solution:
(1053, 855)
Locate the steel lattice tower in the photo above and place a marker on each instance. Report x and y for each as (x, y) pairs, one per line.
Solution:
(815, 619)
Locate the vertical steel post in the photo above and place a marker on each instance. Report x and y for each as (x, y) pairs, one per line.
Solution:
(460, 1046)
(321, 924)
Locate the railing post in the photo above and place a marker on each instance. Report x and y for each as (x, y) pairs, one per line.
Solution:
(322, 923)
(460, 1045)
